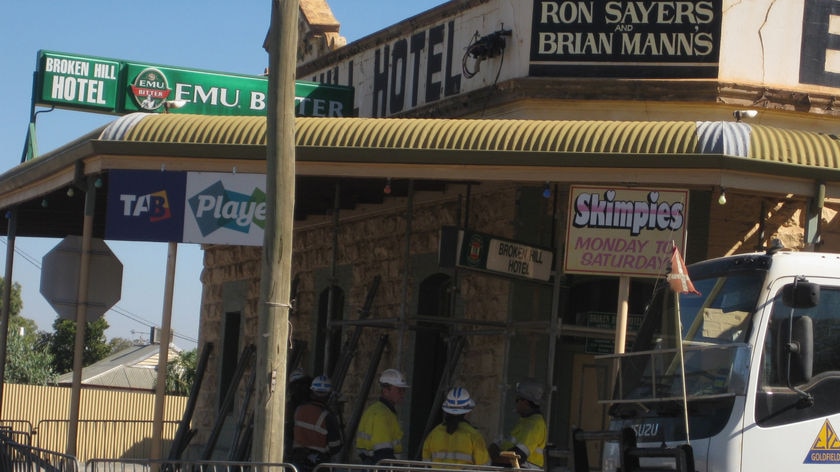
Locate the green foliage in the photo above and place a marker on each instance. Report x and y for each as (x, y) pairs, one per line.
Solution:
(27, 362)
(25, 365)
(120, 344)
(181, 372)
(15, 300)
(62, 343)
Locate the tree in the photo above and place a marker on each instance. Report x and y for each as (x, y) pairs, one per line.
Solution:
(120, 344)
(62, 343)
(25, 365)
(26, 362)
(15, 300)
(180, 373)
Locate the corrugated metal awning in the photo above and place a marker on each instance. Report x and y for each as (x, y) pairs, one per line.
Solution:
(585, 138)
(431, 153)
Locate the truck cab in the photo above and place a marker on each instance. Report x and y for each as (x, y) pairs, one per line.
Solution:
(748, 379)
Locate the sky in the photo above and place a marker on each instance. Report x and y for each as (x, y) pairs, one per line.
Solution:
(215, 35)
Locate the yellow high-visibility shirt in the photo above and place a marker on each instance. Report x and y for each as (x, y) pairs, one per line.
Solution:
(528, 435)
(464, 446)
(378, 429)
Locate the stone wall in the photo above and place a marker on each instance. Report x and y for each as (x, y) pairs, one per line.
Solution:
(735, 227)
(371, 243)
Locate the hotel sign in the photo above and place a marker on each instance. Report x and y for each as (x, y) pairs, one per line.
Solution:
(119, 87)
(488, 253)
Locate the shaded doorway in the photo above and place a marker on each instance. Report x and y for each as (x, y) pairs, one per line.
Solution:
(434, 301)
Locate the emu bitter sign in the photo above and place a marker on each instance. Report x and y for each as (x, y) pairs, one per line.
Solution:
(119, 87)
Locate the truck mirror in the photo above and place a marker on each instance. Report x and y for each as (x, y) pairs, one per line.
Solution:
(801, 294)
(796, 350)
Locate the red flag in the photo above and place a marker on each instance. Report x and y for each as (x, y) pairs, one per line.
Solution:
(678, 278)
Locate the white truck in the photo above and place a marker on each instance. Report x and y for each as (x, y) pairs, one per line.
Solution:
(755, 380)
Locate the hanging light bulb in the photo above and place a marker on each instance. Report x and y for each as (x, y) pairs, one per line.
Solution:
(70, 192)
(44, 203)
(722, 197)
(98, 182)
(546, 193)
(387, 189)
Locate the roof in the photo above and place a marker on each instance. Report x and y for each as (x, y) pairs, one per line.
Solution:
(134, 368)
(362, 152)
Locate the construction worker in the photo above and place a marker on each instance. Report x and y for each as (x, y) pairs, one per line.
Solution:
(317, 431)
(528, 436)
(379, 435)
(456, 441)
(297, 393)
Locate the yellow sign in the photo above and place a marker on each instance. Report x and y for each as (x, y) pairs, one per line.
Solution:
(826, 447)
(624, 231)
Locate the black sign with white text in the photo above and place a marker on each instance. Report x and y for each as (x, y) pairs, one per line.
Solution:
(626, 39)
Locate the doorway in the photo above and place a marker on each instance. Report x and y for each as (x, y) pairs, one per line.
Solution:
(434, 300)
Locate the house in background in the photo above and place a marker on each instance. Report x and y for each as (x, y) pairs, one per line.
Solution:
(132, 369)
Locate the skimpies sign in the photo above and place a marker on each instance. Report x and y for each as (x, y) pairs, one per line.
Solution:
(623, 231)
(114, 86)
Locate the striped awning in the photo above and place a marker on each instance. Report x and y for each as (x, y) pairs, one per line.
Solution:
(431, 152)
(583, 138)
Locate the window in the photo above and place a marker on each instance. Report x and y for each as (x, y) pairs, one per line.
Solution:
(777, 403)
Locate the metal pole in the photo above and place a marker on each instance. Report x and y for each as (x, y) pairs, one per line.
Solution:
(620, 325)
(622, 309)
(5, 314)
(275, 281)
(81, 317)
(554, 322)
(333, 279)
(409, 214)
(163, 354)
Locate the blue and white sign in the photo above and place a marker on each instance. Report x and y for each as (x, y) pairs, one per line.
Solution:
(225, 209)
(190, 207)
(145, 206)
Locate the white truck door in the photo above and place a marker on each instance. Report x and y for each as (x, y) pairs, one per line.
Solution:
(792, 420)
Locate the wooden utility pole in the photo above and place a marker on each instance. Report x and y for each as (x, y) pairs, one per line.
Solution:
(275, 282)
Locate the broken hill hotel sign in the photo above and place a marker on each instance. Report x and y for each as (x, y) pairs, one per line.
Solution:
(114, 86)
(629, 39)
(487, 253)
(624, 231)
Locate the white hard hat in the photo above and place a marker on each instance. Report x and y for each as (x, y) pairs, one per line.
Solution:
(530, 390)
(393, 377)
(458, 401)
(321, 384)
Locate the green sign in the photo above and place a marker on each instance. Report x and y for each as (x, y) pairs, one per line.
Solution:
(119, 87)
(77, 82)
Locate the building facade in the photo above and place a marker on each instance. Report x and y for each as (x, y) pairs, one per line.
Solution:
(579, 62)
(440, 230)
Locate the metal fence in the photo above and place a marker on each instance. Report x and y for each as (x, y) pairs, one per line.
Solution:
(164, 465)
(393, 465)
(423, 465)
(17, 457)
(108, 465)
(113, 423)
(104, 438)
